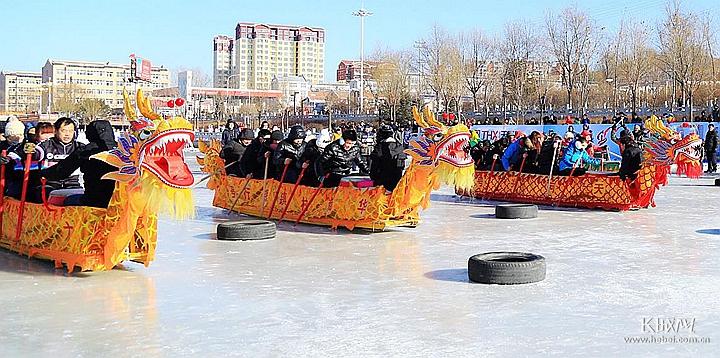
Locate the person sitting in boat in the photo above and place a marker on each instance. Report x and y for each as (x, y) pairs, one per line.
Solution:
(234, 150)
(513, 156)
(98, 191)
(55, 149)
(13, 162)
(43, 132)
(14, 133)
(549, 156)
(266, 154)
(573, 155)
(631, 158)
(340, 156)
(482, 155)
(312, 154)
(249, 159)
(288, 154)
(387, 159)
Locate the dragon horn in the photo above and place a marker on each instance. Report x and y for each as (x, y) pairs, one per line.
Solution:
(127, 106)
(418, 118)
(430, 118)
(145, 107)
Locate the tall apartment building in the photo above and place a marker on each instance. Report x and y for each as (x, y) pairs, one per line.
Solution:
(223, 59)
(265, 51)
(20, 91)
(99, 80)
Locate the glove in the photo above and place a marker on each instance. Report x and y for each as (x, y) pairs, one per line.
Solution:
(5, 160)
(29, 148)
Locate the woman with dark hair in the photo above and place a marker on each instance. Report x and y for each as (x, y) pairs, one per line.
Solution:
(43, 131)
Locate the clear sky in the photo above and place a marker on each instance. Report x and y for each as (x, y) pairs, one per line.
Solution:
(179, 33)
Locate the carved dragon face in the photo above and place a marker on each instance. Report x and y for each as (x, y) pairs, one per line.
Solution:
(666, 147)
(151, 152)
(446, 149)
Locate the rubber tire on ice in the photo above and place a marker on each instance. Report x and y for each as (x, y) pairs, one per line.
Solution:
(506, 268)
(246, 230)
(717, 182)
(516, 211)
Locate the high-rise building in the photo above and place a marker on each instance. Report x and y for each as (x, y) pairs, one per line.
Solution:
(223, 59)
(98, 80)
(20, 91)
(265, 51)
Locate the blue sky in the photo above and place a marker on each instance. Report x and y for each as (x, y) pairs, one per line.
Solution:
(179, 33)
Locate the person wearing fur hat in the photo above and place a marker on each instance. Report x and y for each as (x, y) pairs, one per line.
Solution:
(340, 156)
(14, 133)
(288, 153)
(249, 159)
(234, 150)
(573, 156)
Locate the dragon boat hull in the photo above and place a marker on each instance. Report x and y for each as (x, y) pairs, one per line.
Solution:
(591, 191)
(347, 207)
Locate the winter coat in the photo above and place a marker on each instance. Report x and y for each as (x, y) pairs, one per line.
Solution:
(98, 191)
(312, 155)
(249, 160)
(513, 155)
(336, 160)
(545, 158)
(232, 152)
(572, 155)
(229, 135)
(711, 141)
(631, 161)
(52, 151)
(287, 150)
(387, 162)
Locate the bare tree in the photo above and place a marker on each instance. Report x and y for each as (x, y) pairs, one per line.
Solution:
(477, 51)
(683, 55)
(636, 59)
(520, 45)
(571, 41)
(434, 55)
(392, 77)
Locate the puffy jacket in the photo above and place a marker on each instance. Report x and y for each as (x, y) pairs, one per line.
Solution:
(51, 152)
(98, 191)
(288, 150)
(336, 160)
(711, 141)
(387, 162)
(249, 160)
(312, 154)
(232, 152)
(229, 134)
(572, 155)
(545, 157)
(513, 154)
(631, 161)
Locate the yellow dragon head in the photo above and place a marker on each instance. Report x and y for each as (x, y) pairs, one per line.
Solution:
(665, 147)
(444, 148)
(150, 158)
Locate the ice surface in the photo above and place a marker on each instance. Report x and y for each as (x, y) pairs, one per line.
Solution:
(314, 292)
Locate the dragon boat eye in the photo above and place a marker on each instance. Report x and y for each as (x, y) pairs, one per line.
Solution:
(144, 134)
(437, 137)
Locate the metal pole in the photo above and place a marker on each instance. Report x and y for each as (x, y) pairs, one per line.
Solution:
(362, 61)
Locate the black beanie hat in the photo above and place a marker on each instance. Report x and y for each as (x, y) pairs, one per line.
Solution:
(350, 134)
(277, 135)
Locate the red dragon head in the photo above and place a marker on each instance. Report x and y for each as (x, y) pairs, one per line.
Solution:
(666, 147)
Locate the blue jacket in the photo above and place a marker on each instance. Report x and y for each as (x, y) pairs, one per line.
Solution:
(512, 154)
(572, 155)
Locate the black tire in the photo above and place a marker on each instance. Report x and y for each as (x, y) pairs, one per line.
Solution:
(516, 211)
(246, 230)
(506, 268)
(717, 182)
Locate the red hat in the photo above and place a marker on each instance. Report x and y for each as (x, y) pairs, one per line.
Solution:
(585, 133)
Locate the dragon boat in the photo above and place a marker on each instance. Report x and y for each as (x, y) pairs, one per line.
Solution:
(437, 157)
(663, 148)
(152, 178)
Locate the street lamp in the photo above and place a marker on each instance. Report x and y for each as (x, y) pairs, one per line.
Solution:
(420, 45)
(227, 86)
(362, 13)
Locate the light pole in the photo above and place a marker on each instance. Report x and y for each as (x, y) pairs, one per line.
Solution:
(420, 45)
(227, 89)
(362, 13)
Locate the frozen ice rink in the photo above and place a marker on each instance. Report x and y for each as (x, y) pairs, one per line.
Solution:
(313, 292)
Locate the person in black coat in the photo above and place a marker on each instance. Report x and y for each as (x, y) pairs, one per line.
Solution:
(549, 148)
(234, 150)
(230, 132)
(711, 144)
(289, 152)
(248, 160)
(314, 171)
(265, 155)
(387, 160)
(631, 158)
(98, 191)
(339, 157)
